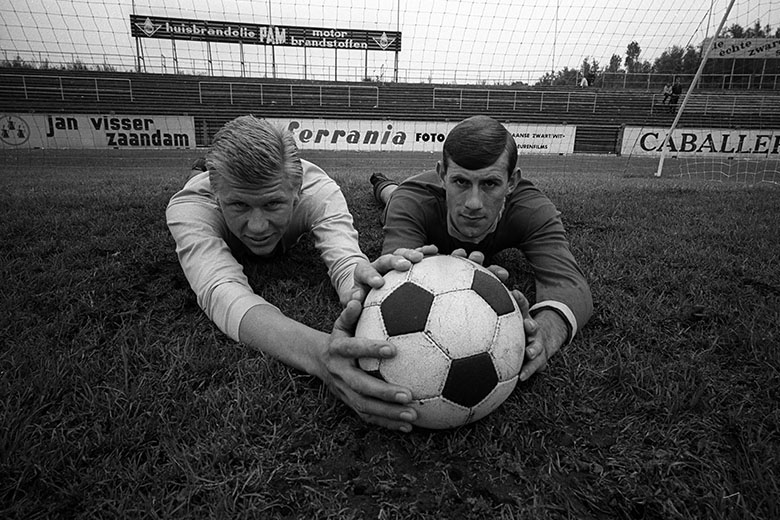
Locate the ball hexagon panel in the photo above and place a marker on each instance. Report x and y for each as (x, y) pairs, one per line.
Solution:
(508, 347)
(438, 413)
(461, 323)
(470, 380)
(441, 274)
(406, 309)
(494, 399)
(493, 292)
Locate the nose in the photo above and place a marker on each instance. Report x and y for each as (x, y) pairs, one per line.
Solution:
(257, 223)
(474, 201)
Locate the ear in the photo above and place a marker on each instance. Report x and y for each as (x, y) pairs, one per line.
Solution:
(440, 170)
(514, 178)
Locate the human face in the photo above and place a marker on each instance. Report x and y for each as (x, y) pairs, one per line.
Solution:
(475, 197)
(259, 217)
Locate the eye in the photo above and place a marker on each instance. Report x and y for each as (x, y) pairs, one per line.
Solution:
(274, 204)
(238, 205)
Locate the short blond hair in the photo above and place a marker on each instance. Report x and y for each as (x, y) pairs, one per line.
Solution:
(249, 151)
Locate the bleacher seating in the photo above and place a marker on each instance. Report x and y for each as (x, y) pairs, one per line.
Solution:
(214, 100)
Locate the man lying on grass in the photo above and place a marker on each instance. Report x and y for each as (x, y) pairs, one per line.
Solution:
(476, 200)
(256, 198)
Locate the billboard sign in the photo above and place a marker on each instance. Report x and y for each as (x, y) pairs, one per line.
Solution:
(741, 48)
(96, 131)
(414, 136)
(692, 142)
(263, 34)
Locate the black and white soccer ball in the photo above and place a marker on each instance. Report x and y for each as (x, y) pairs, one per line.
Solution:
(459, 336)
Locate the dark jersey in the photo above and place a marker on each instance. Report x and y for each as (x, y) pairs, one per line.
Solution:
(416, 215)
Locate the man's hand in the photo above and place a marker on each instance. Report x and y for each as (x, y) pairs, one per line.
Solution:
(479, 258)
(544, 336)
(374, 400)
(369, 276)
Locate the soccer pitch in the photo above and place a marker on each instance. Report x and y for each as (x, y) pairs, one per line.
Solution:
(119, 398)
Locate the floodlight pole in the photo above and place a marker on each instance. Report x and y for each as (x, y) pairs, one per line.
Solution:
(397, 30)
(241, 57)
(273, 48)
(555, 39)
(137, 44)
(677, 116)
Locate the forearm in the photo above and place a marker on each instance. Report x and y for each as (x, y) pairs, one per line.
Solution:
(561, 284)
(266, 329)
(215, 276)
(402, 227)
(344, 280)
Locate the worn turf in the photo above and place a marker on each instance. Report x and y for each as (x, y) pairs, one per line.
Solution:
(120, 399)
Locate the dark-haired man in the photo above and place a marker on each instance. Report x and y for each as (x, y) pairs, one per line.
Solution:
(476, 200)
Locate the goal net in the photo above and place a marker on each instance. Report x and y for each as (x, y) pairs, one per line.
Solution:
(575, 80)
(738, 153)
(609, 44)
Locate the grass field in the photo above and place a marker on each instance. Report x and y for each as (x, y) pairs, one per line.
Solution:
(120, 399)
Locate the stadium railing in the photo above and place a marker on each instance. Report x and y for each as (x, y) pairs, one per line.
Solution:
(219, 100)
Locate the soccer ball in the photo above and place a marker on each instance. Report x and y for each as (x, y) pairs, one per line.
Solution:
(459, 337)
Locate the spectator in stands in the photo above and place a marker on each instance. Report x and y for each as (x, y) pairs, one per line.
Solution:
(675, 95)
(476, 200)
(254, 200)
(667, 92)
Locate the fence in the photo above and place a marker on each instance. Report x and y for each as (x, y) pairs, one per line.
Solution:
(292, 94)
(68, 88)
(187, 94)
(655, 82)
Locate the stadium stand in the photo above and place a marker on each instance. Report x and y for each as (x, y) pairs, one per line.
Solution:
(598, 113)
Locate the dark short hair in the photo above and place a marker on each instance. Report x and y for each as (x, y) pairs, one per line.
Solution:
(478, 142)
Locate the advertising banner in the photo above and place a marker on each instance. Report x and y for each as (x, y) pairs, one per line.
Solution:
(154, 131)
(414, 136)
(688, 142)
(96, 131)
(741, 48)
(263, 34)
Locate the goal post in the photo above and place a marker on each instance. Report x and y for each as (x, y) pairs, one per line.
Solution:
(573, 81)
(733, 154)
(705, 57)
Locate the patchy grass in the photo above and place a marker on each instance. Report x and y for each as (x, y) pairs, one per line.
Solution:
(118, 398)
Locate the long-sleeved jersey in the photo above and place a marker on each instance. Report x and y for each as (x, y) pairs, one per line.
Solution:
(416, 215)
(203, 244)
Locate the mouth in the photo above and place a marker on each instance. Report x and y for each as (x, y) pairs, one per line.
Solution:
(258, 241)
